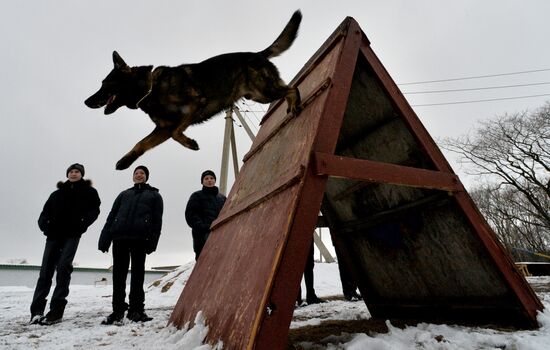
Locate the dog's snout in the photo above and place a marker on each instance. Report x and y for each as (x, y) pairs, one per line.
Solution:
(93, 102)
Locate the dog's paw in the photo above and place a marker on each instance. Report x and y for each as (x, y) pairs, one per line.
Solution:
(124, 163)
(192, 144)
(294, 110)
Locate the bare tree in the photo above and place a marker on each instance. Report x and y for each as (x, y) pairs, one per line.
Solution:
(505, 210)
(513, 151)
(511, 154)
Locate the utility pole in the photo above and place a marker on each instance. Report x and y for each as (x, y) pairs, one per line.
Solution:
(230, 142)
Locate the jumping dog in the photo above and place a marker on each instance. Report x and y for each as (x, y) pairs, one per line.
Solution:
(178, 97)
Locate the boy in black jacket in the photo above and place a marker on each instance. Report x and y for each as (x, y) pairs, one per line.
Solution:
(202, 209)
(67, 214)
(134, 226)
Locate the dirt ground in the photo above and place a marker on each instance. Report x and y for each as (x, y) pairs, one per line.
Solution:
(323, 334)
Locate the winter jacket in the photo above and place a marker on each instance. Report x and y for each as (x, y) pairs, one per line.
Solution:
(69, 210)
(202, 209)
(136, 215)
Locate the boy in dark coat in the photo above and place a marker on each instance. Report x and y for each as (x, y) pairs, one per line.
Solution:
(202, 209)
(67, 214)
(134, 226)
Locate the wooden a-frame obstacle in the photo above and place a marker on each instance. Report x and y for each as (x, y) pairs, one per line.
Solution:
(408, 231)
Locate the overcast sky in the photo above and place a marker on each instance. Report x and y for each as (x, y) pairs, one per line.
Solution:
(55, 54)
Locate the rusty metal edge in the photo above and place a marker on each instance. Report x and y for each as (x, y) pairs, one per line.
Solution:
(523, 291)
(371, 171)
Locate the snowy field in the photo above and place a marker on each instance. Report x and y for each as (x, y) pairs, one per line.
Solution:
(88, 305)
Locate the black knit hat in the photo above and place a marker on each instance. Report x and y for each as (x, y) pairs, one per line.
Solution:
(208, 172)
(145, 170)
(76, 166)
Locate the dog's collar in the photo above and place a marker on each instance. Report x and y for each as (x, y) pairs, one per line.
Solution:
(150, 81)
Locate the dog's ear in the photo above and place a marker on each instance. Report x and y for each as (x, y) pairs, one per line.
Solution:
(119, 62)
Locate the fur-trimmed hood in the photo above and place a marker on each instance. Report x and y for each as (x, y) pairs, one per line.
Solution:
(80, 182)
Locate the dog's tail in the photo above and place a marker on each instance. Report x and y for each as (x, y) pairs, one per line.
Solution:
(286, 38)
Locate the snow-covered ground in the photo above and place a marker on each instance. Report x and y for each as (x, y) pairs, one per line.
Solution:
(88, 305)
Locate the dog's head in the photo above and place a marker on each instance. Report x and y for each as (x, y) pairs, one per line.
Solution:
(123, 86)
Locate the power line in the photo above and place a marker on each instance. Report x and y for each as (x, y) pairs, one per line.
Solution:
(251, 122)
(476, 101)
(248, 109)
(474, 89)
(247, 116)
(476, 77)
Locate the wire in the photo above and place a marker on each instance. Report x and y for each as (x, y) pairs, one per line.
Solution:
(476, 101)
(473, 89)
(248, 109)
(475, 77)
(245, 113)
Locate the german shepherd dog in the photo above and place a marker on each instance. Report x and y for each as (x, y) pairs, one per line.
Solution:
(178, 97)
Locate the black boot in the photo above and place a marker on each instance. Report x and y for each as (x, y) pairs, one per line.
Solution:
(52, 317)
(115, 317)
(314, 299)
(138, 316)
